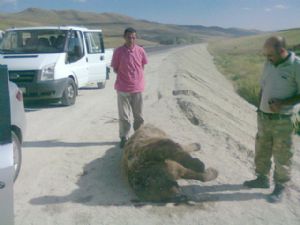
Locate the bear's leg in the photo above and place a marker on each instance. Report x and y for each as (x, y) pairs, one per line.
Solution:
(178, 171)
(163, 149)
(186, 160)
(191, 147)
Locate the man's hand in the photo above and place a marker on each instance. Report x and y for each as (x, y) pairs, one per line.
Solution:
(275, 105)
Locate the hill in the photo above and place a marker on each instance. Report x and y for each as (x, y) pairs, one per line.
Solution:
(241, 60)
(150, 33)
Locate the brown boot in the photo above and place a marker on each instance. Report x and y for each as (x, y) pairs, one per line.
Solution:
(260, 182)
(276, 195)
(123, 142)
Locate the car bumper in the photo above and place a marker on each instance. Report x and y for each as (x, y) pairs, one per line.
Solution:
(43, 89)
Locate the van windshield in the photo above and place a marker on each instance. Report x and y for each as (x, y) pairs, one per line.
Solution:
(33, 41)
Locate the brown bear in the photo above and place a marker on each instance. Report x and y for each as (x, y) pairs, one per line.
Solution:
(153, 162)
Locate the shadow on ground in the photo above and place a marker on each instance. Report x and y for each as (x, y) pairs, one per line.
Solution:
(222, 192)
(57, 143)
(102, 183)
(32, 106)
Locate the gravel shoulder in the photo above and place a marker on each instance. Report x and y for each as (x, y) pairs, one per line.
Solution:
(71, 173)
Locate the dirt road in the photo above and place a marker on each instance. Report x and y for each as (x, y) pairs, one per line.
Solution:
(71, 172)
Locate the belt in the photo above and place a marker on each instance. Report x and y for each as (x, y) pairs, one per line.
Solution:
(274, 116)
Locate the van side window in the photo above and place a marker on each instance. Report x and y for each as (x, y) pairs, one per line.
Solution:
(75, 46)
(94, 42)
(43, 42)
(58, 42)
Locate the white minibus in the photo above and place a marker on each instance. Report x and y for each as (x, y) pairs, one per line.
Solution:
(52, 62)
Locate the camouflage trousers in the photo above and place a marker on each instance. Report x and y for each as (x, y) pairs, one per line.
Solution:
(274, 139)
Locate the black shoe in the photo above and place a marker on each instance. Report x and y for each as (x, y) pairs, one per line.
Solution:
(123, 142)
(259, 182)
(277, 194)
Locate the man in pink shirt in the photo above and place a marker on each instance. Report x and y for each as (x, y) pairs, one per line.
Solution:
(128, 63)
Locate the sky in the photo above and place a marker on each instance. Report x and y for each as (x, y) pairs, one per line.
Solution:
(266, 15)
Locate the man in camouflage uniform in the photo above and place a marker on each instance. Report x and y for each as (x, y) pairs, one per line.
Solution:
(280, 92)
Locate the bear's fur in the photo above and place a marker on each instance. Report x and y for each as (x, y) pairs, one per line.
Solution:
(153, 162)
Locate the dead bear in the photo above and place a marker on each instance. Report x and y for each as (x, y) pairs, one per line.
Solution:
(153, 162)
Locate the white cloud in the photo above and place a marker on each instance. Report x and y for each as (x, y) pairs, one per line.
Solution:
(279, 6)
(276, 7)
(8, 2)
(268, 9)
(246, 8)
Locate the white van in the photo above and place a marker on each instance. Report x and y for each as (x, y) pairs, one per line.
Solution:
(51, 63)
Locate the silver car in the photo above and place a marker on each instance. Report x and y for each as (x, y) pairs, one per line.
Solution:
(18, 125)
(10, 153)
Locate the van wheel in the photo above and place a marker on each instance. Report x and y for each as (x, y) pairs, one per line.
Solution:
(101, 85)
(17, 154)
(107, 73)
(69, 94)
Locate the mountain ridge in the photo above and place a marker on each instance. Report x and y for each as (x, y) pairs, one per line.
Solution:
(113, 24)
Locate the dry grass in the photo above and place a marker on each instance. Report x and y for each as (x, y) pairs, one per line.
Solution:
(241, 60)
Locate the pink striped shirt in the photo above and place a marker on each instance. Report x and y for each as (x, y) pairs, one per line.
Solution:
(129, 65)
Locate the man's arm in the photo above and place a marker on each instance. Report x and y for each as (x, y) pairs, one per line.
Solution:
(144, 59)
(115, 61)
(277, 104)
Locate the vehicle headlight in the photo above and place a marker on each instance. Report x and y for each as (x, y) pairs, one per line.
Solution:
(48, 72)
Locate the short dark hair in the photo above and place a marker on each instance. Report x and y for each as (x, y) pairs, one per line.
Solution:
(277, 42)
(129, 30)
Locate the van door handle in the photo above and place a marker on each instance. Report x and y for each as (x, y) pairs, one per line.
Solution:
(86, 59)
(2, 185)
(101, 58)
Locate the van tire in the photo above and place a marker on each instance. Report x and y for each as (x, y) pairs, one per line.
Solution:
(17, 154)
(107, 72)
(101, 85)
(69, 94)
